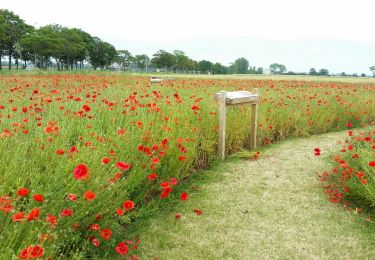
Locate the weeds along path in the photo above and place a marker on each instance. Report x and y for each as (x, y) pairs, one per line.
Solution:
(273, 207)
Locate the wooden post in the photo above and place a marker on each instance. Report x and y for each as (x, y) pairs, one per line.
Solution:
(254, 119)
(222, 123)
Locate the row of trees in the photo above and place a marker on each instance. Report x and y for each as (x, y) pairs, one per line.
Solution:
(69, 48)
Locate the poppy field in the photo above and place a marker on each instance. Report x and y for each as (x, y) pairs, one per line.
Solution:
(84, 155)
(351, 182)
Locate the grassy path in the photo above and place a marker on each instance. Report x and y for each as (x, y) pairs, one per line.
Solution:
(270, 208)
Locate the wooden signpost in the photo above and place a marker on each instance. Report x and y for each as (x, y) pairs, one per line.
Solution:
(232, 99)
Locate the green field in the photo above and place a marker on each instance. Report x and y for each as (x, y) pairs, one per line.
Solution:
(139, 142)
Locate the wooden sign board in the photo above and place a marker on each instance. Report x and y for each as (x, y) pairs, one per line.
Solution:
(155, 79)
(237, 98)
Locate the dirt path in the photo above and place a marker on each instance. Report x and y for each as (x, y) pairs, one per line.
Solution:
(270, 208)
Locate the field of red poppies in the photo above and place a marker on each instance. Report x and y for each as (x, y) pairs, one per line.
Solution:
(83, 155)
(351, 182)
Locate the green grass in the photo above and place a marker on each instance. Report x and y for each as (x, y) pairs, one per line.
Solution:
(125, 113)
(273, 207)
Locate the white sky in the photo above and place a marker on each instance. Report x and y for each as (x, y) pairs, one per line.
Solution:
(333, 34)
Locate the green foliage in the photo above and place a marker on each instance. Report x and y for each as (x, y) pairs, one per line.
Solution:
(352, 180)
(124, 58)
(205, 66)
(12, 29)
(102, 54)
(217, 68)
(277, 68)
(142, 61)
(163, 60)
(372, 69)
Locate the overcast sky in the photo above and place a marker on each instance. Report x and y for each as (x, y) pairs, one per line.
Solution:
(334, 34)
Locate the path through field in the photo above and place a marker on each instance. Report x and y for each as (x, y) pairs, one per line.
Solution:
(273, 207)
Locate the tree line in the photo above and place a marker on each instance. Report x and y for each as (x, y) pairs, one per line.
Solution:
(62, 48)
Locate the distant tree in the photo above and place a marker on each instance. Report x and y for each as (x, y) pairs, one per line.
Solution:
(205, 66)
(343, 74)
(372, 68)
(363, 75)
(192, 65)
(218, 68)
(181, 61)
(242, 65)
(276, 68)
(233, 68)
(124, 58)
(323, 72)
(141, 61)
(312, 71)
(163, 60)
(102, 54)
(260, 70)
(41, 45)
(12, 29)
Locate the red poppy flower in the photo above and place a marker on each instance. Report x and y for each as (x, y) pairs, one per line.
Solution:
(72, 197)
(80, 172)
(122, 248)
(52, 219)
(372, 164)
(33, 214)
(86, 108)
(182, 158)
(198, 212)
(106, 233)
(177, 216)
(18, 216)
(31, 252)
(95, 227)
(123, 166)
(95, 242)
(128, 205)
(105, 160)
(38, 197)
(89, 195)
(184, 196)
(349, 125)
(23, 192)
(66, 212)
(363, 181)
(155, 160)
(120, 212)
(152, 176)
(173, 181)
(60, 152)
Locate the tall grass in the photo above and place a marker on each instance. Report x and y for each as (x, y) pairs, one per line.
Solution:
(51, 124)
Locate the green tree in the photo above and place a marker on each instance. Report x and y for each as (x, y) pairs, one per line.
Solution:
(12, 29)
(372, 68)
(163, 60)
(124, 58)
(242, 65)
(312, 71)
(40, 46)
(218, 68)
(205, 66)
(102, 54)
(277, 68)
(142, 61)
(323, 72)
(180, 61)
